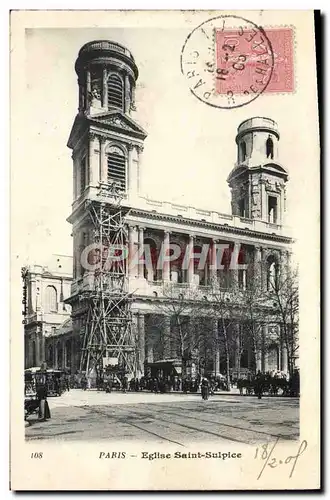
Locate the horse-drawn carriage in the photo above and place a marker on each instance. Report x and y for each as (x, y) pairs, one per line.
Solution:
(35, 397)
(39, 384)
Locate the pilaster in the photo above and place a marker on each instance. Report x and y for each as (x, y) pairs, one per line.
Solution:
(166, 263)
(191, 260)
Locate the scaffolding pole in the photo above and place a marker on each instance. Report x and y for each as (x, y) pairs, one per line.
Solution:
(108, 320)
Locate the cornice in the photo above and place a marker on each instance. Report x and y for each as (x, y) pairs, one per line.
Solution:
(209, 225)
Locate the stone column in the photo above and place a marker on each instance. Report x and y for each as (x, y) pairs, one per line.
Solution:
(150, 347)
(137, 166)
(103, 166)
(167, 337)
(132, 257)
(264, 348)
(88, 88)
(32, 296)
(78, 176)
(42, 348)
(141, 243)
(258, 360)
(93, 161)
(56, 354)
(284, 358)
(37, 348)
(216, 347)
(237, 341)
(141, 343)
(258, 267)
(132, 106)
(191, 260)
(283, 272)
(213, 261)
(130, 169)
(53, 352)
(64, 354)
(166, 263)
(104, 88)
(234, 269)
(288, 260)
(74, 184)
(127, 94)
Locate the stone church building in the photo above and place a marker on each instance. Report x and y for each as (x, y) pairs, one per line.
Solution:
(107, 145)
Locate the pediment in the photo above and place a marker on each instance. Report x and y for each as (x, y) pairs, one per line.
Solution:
(237, 172)
(118, 121)
(275, 167)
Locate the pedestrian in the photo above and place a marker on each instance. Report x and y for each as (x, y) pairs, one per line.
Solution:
(125, 384)
(205, 388)
(44, 411)
(67, 382)
(259, 385)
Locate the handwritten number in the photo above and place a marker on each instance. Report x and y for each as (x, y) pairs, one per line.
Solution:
(273, 463)
(264, 453)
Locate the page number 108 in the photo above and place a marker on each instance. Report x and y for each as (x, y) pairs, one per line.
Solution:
(36, 454)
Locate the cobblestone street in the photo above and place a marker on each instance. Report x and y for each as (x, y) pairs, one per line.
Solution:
(159, 418)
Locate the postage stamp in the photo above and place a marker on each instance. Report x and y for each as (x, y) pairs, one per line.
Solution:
(229, 61)
(241, 55)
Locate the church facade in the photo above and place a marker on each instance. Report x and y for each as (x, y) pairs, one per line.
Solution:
(107, 146)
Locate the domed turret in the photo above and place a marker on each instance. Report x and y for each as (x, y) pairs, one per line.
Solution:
(107, 76)
(257, 140)
(257, 181)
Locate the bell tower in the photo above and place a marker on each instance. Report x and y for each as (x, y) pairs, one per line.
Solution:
(258, 180)
(106, 145)
(106, 142)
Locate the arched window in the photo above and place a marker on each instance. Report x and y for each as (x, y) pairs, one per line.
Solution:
(115, 92)
(50, 299)
(116, 166)
(243, 150)
(272, 274)
(269, 148)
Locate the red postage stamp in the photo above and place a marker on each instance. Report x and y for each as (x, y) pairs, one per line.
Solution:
(240, 58)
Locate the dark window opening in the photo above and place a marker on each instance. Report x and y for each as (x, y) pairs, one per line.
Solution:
(272, 209)
(243, 150)
(242, 208)
(34, 353)
(50, 355)
(244, 359)
(117, 169)
(269, 148)
(115, 92)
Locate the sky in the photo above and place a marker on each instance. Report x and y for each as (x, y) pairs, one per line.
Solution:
(190, 148)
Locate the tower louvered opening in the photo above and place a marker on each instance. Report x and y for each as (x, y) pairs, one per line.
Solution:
(117, 167)
(115, 92)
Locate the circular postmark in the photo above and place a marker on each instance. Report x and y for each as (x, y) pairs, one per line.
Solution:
(228, 61)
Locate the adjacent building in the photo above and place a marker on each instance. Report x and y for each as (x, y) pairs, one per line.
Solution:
(47, 320)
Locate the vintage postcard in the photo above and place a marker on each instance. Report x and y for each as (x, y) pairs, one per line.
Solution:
(165, 251)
